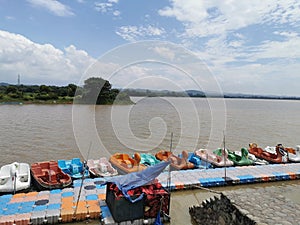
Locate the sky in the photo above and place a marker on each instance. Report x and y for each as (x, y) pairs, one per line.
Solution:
(248, 46)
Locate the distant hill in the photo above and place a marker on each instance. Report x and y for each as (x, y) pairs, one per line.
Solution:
(153, 93)
(201, 94)
(195, 93)
(4, 84)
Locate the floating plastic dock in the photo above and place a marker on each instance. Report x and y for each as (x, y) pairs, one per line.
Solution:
(57, 205)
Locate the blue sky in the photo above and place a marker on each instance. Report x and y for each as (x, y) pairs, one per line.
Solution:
(248, 46)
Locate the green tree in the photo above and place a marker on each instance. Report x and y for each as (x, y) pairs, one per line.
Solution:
(97, 91)
(11, 89)
(71, 90)
(44, 89)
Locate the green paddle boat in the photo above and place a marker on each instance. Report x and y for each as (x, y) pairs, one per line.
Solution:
(239, 159)
(148, 159)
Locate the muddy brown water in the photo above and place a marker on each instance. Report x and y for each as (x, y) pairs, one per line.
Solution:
(32, 133)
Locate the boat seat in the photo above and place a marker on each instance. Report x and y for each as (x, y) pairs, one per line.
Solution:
(127, 163)
(44, 165)
(62, 181)
(54, 168)
(91, 164)
(4, 179)
(125, 157)
(51, 176)
(75, 169)
(38, 171)
(23, 177)
(76, 161)
(62, 164)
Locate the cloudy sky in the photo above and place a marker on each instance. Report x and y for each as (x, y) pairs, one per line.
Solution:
(248, 46)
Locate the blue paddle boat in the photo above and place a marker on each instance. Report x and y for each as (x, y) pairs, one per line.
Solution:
(74, 168)
(199, 164)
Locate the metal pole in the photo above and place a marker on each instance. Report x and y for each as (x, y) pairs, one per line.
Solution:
(82, 179)
(225, 175)
(15, 182)
(169, 175)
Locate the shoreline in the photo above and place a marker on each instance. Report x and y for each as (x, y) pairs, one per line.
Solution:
(60, 102)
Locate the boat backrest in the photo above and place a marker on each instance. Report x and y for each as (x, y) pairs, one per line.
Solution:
(5, 171)
(103, 160)
(44, 165)
(76, 161)
(125, 157)
(54, 168)
(91, 163)
(23, 168)
(37, 170)
(62, 164)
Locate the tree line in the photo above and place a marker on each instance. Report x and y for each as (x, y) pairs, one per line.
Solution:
(94, 91)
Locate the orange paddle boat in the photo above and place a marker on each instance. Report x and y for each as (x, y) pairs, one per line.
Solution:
(177, 163)
(125, 164)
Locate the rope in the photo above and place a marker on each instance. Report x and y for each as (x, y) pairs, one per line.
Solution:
(207, 189)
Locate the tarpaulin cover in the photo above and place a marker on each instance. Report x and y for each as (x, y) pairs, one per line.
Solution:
(137, 179)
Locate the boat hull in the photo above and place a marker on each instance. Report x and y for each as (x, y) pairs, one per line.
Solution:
(101, 168)
(47, 175)
(215, 160)
(15, 177)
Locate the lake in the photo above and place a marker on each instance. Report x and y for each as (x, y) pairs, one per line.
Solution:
(42, 132)
(31, 133)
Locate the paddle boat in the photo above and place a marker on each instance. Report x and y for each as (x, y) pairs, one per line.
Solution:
(48, 175)
(280, 155)
(74, 167)
(177, 163)
(199, 164)
(163, 155)
(293, 154)
(14, 177)
(238, 159)
(252, 157)
(101, 168)
(126, 164)
(148, 159)
(214, 159)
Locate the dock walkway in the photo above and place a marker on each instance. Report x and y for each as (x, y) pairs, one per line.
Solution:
(55, 206)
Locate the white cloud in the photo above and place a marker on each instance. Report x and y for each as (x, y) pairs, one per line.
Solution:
(279, 49)
(204, 18)
(40, 63)
(250, 41)
(164, 52)
(103, 7)
(53, 6)
(10, 18)
(107, 7)
(134, 33)
(116, 13)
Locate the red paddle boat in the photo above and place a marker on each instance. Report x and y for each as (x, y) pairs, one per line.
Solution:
(47, 175)
(280, 155)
